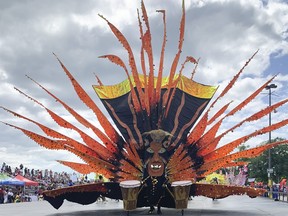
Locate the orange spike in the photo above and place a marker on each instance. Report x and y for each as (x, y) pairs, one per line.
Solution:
(188, 59)
(175, 156)
(160, 70)
(41, 140)
(176, 59)
(131, 156)
(186, 163)
(181, 39)
(64, 139)
(143, 65)
(204, 141)
(198, 130)
(194, 70)
(142, 49)
(50, 132)
(221, 191)
(129, 168)
(250, 153)
(130, 176)
(219, 113)
(98, 80)
(254, 117)
(95, 163)
(110, 145)
(250, 98)
(142, 57)
(148, 49)
(63, 123)
(78, 167)
(108, 128)
(118, 61)
(232, 82)
(92, 143)
(226, 149)
(132, 63)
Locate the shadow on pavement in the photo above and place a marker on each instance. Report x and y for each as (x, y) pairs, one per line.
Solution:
(187, 212)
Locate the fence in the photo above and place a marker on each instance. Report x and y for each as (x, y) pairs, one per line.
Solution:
(277, 196)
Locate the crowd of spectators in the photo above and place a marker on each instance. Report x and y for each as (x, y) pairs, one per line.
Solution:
(47, 180)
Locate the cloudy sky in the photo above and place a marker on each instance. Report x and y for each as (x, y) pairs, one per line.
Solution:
(224, 34)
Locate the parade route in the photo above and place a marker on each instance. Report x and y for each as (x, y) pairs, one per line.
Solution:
(199, 206)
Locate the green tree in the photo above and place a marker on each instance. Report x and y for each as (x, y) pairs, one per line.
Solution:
(279, 162)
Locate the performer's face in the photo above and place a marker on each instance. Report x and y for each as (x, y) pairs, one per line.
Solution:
(155, 153)
(156, 162)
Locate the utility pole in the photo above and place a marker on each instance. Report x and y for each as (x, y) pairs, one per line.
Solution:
(270, 169)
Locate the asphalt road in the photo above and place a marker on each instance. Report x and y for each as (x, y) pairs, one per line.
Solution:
(199, 206)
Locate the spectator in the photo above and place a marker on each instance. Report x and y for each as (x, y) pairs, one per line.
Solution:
(1, 195)
(10, 196)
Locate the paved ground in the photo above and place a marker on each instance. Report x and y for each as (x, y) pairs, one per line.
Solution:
(199, 206)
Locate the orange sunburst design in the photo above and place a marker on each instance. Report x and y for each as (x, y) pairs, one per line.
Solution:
(162, 129)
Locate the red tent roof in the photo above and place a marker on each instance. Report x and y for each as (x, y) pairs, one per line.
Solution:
(28, 182)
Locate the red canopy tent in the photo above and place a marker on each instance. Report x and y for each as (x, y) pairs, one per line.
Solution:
(28, 182)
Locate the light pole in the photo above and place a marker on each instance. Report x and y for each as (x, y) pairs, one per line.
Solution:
(270, 170)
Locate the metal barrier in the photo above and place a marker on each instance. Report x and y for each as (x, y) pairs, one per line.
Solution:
(277, 196)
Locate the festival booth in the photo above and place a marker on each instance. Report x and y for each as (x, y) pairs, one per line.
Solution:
(29, 195)
(6, 180)
(27, 182)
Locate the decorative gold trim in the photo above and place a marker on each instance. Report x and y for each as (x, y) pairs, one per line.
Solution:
(185, 84)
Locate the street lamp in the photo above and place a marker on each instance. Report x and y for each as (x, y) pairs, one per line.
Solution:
(270, 170)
